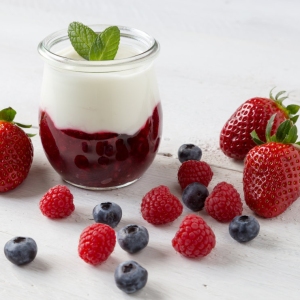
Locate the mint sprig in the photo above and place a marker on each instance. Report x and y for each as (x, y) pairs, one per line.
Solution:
(93, 46)
(82, 37)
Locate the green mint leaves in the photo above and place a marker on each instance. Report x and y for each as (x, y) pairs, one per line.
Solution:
(106, 44)
(82, 38)
(93, 46)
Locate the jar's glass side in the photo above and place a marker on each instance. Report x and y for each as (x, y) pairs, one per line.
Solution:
(148, 48)
(100, 130)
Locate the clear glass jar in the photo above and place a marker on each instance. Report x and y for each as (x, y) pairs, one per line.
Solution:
(100, 121)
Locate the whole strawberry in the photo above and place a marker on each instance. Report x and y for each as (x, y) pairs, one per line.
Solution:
(57, 203)
(159, 206)
(194, 237)
(16, 151)
(254, 114)
(96, 243)
(271, 178)
(224, 203)
(194, 171)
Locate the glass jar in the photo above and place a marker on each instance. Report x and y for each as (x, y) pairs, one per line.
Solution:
(100, 121)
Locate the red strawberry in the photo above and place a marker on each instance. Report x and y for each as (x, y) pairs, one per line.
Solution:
(224, 203)
(194, 237)
(57, 203)
(194, 171)
(96, 243)
(254, 114)
(16, 151)
(272, 171)
(159, 206)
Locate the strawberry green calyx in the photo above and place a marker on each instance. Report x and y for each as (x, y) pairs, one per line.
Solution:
(8, 115)
(290, 110)
(286, 133)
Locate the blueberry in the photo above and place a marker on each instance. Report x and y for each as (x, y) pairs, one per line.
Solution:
(108, 213)
(244, 228)
(20, 250)
(130, 277)
(189, 152)
(194, 196)
(133, 238)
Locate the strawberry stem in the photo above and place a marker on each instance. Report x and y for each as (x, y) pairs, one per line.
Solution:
(289, 110)
(8, 115)
(286, 133)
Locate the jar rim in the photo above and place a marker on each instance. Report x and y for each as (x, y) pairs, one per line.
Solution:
(151, 51)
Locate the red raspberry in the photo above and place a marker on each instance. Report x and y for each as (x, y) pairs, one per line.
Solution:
(194, 237)
(96, 243)
(194, 171)
(57, 202)
(224, 203)
(159, 206)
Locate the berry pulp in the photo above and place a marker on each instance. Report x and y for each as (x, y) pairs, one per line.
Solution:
(102, 159)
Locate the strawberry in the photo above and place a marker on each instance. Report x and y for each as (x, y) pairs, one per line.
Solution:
(16, 151)
(271, 177)
(254, 114)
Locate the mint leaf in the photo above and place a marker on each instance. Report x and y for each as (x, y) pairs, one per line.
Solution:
(106, 45)
(96, 49)
(82, 37)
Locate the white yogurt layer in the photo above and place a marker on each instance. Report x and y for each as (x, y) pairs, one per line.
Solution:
(118, 102)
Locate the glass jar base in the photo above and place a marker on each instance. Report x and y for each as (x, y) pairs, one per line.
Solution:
(102, 188)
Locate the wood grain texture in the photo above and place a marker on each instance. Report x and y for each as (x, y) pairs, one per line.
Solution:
(214, 56)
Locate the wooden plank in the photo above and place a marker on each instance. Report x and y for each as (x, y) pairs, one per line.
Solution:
(231, 271)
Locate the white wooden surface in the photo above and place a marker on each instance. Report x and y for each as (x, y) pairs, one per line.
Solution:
(214, 55)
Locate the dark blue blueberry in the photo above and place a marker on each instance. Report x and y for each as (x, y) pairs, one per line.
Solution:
(130, 277)
(189, 152)
(194, 196)
(20, 250)
(244, 228)
(133, 238)
(108, 213)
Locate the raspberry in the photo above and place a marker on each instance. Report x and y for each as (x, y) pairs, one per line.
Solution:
(194, 171)
(194, 237)
(159, 206)
(96, 243)
(57, 202)
(224, 203)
